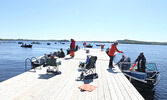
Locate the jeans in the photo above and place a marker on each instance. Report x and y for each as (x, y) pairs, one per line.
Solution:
(111, 61)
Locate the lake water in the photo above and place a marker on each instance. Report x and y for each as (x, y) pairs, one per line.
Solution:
(12, 60)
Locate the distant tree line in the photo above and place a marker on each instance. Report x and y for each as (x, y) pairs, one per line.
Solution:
(126, 41)
(33, 40)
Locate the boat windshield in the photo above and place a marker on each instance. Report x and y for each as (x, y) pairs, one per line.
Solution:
(151, 67)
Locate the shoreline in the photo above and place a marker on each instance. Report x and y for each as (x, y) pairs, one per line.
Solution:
(125, 41)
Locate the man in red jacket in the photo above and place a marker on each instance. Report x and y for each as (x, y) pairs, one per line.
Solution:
(111, 53)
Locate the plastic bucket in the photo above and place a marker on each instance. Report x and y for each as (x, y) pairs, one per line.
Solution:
(87, 51)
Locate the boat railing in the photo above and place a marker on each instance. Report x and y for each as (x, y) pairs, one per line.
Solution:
(154, 75)
(132, 77)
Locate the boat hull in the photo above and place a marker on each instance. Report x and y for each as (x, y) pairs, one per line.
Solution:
(141, 85)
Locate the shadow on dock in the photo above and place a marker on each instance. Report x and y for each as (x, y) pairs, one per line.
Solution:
(112, 71)
(87, 81)
(46, 76)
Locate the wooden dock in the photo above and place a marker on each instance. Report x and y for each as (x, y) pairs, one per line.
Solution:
(112, 84)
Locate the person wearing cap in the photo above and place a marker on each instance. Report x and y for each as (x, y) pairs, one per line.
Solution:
(141, 60)
(111, 52)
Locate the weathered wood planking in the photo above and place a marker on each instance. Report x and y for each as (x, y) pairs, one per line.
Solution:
(112, 84)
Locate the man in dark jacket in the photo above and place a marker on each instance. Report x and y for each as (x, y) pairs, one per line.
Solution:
(141, 62)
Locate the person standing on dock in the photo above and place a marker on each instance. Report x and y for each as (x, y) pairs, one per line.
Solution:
(111, 52)
(72, 48)
(84, 44)
(102, 47)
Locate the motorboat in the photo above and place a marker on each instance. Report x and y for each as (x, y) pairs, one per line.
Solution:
(26, 46)
(48, 43)
(98, 44)
(35, 42)
(142, 80)
(89, 46)
(20, 42)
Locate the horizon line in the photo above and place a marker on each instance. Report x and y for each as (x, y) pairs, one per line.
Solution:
(79, 40)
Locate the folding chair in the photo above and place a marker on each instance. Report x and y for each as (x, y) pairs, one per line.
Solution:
(90, 68)
(52, 63)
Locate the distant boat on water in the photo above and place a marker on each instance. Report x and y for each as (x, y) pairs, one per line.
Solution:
(35, 42)
(20, 42)
(98, 44)
(89, 46)
(48, 43)
(62, 43)
(26, 46)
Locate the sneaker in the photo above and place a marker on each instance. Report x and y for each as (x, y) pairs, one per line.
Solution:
(111, 66)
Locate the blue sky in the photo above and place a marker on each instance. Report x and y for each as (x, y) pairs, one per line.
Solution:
(103, 20)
